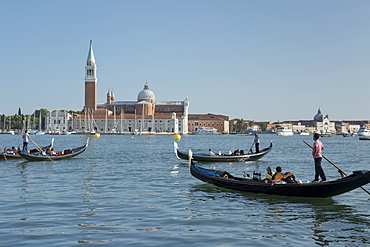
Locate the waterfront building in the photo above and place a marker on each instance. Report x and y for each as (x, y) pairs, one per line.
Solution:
(346, 127)
(58, 122)
(323, 124)
(219, 122)
(298, 128)
(144, 115)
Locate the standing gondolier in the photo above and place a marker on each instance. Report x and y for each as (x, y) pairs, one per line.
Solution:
(25, 137)
(257, 142)
(317, 156)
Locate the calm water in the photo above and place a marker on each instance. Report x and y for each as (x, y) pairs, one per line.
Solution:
(134, 192)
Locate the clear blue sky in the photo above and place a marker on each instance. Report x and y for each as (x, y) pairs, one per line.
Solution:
(260, 60)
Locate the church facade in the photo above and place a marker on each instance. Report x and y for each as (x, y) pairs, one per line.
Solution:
(323, 124)
(144, 115)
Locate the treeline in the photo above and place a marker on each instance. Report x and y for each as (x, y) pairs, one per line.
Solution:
(241, 126)
(27, 121)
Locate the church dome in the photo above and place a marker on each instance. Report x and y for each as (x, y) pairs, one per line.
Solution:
(318, 116)
(146, 94)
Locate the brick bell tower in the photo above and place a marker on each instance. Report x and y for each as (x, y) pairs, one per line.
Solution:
(90, 83)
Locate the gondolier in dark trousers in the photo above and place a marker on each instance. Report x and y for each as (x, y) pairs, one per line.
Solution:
(25, 137)
(317, 156)
(257, 142)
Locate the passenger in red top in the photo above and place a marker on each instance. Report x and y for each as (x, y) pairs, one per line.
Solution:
(317, 156)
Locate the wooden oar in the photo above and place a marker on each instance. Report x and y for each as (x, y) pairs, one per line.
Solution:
(342, 173)
(3, 154)
(250, 149)
(40, 149)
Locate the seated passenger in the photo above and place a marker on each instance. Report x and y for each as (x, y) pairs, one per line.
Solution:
(237, 152)
(279, 176)
(12, 150)
(210, 152)
(51, 152)
(269, 173)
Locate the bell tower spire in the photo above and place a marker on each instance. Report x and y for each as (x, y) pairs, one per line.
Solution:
(90, 82)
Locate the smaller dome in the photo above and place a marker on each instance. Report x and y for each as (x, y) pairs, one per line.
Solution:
(318, 116)
(146, 94)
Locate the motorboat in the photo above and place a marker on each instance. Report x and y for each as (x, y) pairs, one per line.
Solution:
(206, 131)
(284, 131)
(363, 131)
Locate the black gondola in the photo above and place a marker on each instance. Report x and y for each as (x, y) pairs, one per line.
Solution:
(223, 157)
(10, 156)
(324, 189)
(65, 154)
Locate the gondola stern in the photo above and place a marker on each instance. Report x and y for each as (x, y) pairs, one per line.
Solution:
(190, 157)
(176, 149)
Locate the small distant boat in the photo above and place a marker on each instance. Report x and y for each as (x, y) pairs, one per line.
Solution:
(347, 134)
(304, 134)
(364, 137)
(326, 189)
(363, 131)
(206, 131)
(61, 155)
(205, 157)
(325, 135)
(284, 131)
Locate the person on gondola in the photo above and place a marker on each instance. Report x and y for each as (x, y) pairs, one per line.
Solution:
(12, 150)
(286, 177)
(317, 156)
(269, 173)
(51, 152)
(25, 138)
(237, 152)
(257, 142)
(210, 152)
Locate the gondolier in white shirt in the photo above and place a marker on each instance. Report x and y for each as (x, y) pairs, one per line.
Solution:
(25, 137)
(257, 142)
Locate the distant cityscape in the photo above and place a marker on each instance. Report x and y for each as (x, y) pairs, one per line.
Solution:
(56, 121)
(147, 115)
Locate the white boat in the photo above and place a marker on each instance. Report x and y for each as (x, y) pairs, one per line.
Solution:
(284, 131)
(363, 131)
(304, 133)
(206, 131)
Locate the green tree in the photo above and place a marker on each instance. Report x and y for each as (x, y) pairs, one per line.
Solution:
(240, 125)
(263, 126)
(17, 121)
